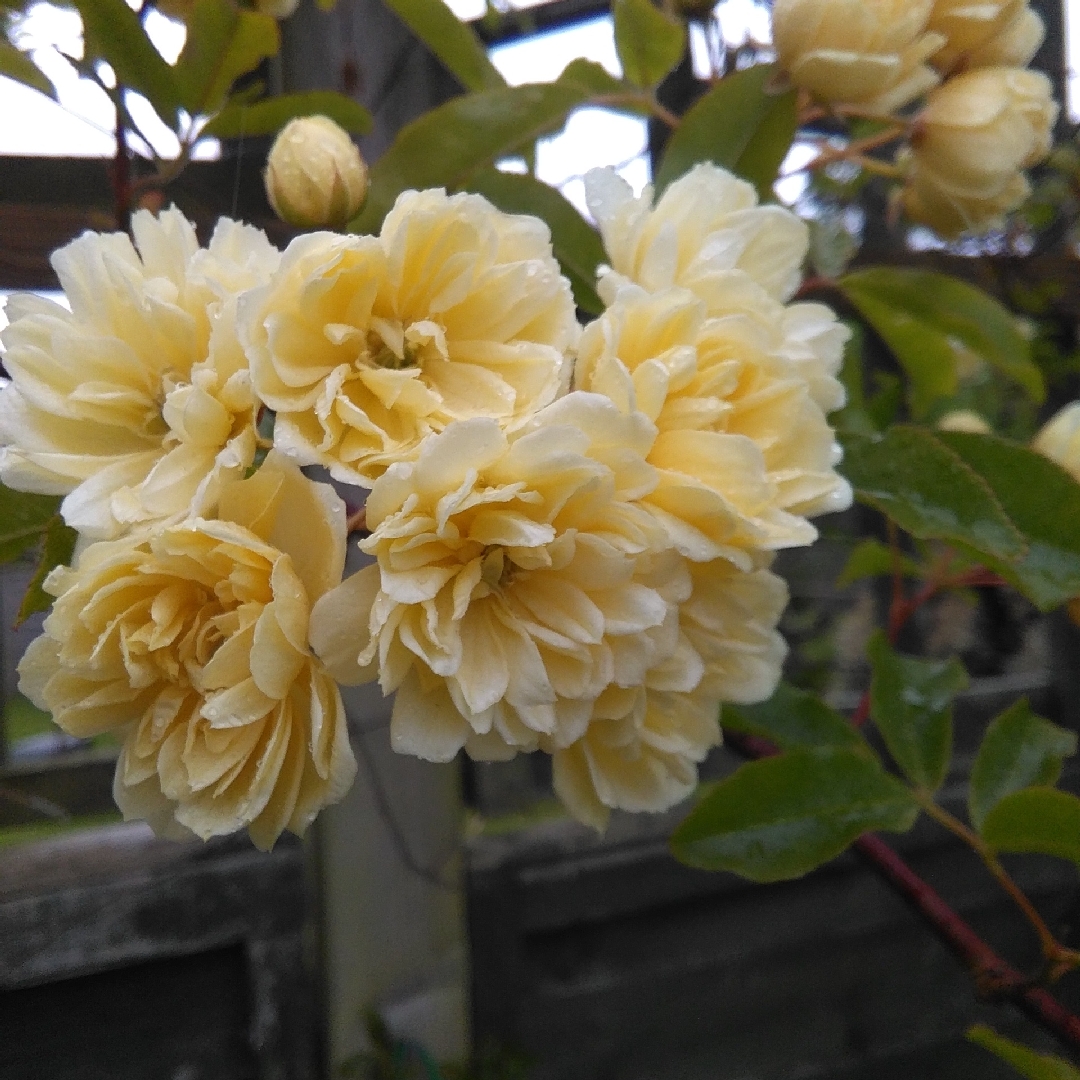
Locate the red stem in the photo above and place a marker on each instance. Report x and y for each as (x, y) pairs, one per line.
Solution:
(862, 710)
(814, 285)
(994, 976)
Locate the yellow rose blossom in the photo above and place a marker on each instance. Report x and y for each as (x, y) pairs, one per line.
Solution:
(136, 404)
(974, 137)
(517, 579)
(191, 643)
(641, 749)
(639, 753)
(985, 34)
(364, 345)
(706, 233)
(1015, 45)
(870, 53)
(730, 621)
(743, 450)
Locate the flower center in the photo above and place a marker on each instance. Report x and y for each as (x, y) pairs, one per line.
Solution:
(396, 345)
(382, 355)
(496, 570)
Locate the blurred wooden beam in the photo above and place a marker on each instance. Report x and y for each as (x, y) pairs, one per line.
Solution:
(74, 785)
(45, 202)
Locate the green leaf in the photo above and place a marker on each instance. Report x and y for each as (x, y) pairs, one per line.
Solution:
(270, 115)
(576, 243)
(935, 324)
(223, 43)
(597, 82)
(911, 703)
(1039, 499)
(649, 41)
(872, 558)
(793, 718)
(910, 475)
(739, 125)
(781, 817)
(832, 246)
(17, 65)
(114, 33)
(455, 44)
(1036, 820)
(1018, 750)
(445, 146)
(56, 550)
(1023, 1059)
(23, 520)
(1008, 505)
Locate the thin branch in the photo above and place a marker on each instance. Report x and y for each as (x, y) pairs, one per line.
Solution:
(37, 803)
(661, 112)
(995, 978)
(815, 284)
(1059, 958)
(357, 521)
(121, 178)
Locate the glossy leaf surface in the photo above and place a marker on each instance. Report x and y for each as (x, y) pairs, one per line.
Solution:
(935, 323)
(793, 718)
(455, 44)
(782, 816)
(113, 32)
(911, 703)
(1011, 507)
(445, 146)
(738, 124)
(1019, 750)
(267, 117)
(1036, 820)
(223, 43)
(1022, 1058)
(649, 41)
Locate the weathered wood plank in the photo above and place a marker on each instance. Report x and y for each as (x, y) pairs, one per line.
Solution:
(183, 1017)
(101, 928)
(76, 785)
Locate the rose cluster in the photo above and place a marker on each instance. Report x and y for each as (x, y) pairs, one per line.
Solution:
(569, 531)
(983, 118)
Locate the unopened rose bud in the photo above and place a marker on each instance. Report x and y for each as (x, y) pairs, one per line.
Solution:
(977, 134)
(315, 176)
(992, 33)
(870, 53)
(1015, 46)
